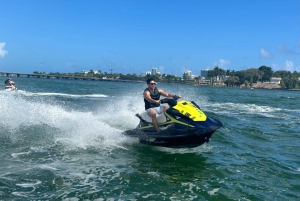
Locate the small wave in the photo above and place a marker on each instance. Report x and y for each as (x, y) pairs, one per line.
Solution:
(19, 194)
(213, 192)
(15, 155)
(64, 95)
(197, 150)
(31, 150)
(239, 108)
(47, 167)
(27, 185)
(248, 108)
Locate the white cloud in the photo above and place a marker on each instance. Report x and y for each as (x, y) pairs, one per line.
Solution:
(184, 68)
(2, 51)
(265, 54)
(282, 49)
(288, 66)
(222, 63)
(161, 69)
(275, 67)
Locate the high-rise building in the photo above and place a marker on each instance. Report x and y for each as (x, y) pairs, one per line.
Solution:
(204, 73)
(188, 74)
(154, 71)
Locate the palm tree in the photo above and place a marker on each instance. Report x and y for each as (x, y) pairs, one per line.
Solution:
(246, 83)
(260, 75)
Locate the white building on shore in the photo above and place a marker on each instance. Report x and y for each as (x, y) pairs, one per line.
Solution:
(188, 75)
(275, 80)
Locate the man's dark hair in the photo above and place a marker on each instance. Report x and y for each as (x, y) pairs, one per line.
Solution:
(149, 80)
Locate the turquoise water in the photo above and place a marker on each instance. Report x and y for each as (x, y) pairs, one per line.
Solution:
(62, 140)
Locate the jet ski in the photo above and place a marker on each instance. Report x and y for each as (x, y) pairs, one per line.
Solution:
(10, 85)
(7, 88)
(183, 125)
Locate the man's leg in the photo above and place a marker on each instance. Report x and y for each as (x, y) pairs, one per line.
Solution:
(152, 114)
(166, 107)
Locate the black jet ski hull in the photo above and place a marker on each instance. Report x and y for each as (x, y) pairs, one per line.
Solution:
(178, 142)
(176, 135)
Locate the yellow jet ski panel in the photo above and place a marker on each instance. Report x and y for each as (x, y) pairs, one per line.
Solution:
(189, 110)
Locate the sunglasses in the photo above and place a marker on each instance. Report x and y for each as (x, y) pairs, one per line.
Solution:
(152, 83)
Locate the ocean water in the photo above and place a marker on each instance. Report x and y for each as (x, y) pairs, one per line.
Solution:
(62, 140)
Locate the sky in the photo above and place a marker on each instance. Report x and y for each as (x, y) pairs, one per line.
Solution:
(134, 36)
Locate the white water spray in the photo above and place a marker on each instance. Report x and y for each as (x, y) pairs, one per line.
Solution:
(99, 127)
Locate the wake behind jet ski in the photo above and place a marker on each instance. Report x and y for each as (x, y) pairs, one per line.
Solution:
(183, 125)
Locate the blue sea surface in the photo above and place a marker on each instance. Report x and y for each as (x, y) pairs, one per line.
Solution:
(62, 140)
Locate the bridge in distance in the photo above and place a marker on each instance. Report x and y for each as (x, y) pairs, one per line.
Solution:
(33, 75)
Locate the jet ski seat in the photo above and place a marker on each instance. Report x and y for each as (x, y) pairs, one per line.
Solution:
(145, 117)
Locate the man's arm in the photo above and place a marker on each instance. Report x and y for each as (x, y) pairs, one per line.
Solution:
(165, 94)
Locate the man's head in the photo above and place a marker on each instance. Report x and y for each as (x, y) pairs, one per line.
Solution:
(151, 82)
(9, 78)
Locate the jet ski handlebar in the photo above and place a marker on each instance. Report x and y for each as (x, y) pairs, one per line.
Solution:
(171, 101)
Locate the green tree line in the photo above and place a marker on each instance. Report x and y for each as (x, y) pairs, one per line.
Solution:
(253, 75)
(230, 78)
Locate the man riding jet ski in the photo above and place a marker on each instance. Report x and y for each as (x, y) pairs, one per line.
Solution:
(10, 85)
(152, 101)
(183, 125)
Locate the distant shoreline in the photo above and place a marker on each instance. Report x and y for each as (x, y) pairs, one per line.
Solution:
(264, 85)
